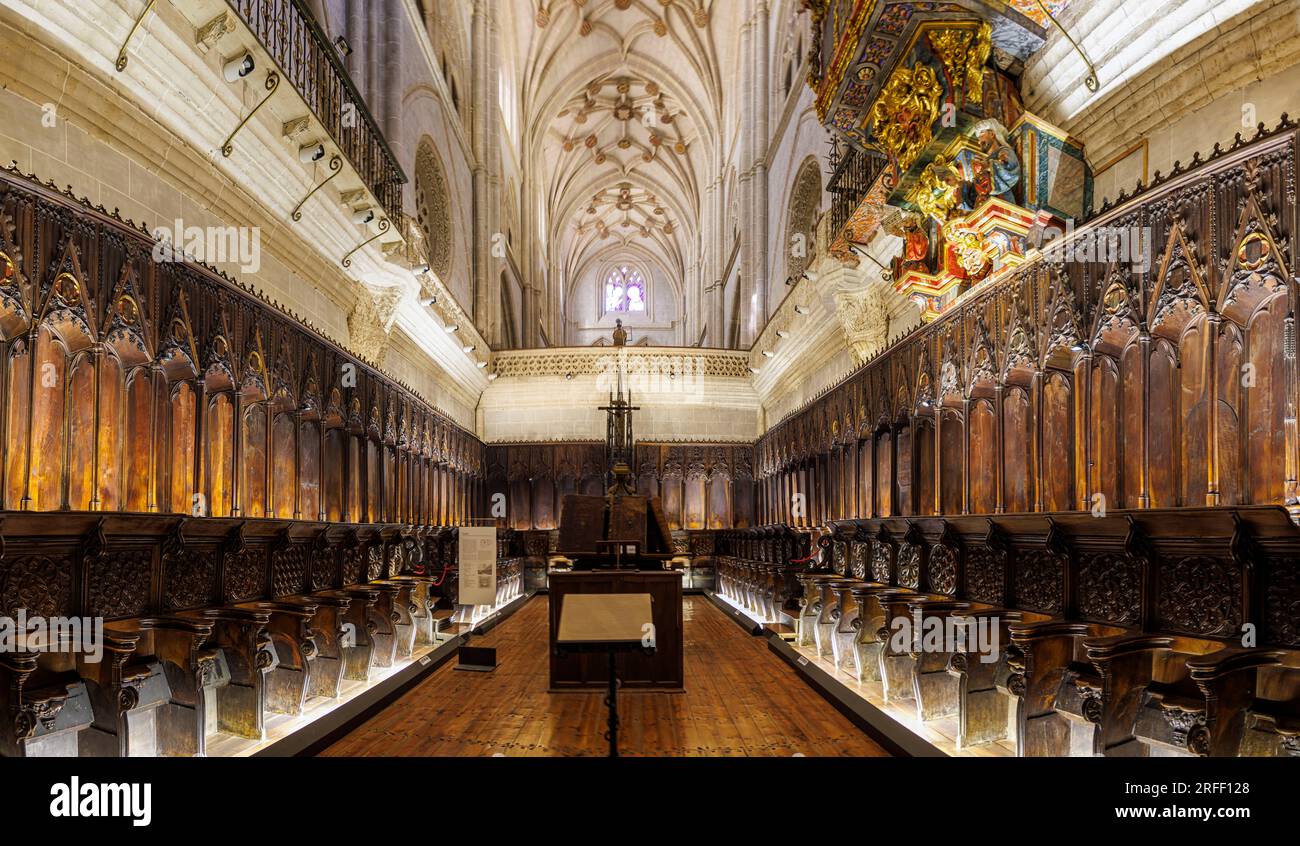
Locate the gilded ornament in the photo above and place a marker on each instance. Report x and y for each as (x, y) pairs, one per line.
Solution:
(964, 53)
(903, 117)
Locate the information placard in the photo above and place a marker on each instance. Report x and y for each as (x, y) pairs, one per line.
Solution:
(478, 565)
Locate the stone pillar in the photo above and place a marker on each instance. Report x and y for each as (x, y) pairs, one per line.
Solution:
(485, 137)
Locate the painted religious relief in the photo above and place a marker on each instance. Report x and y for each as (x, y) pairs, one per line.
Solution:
(963, 219)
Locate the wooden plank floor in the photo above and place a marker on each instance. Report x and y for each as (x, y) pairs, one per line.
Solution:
(740, 700)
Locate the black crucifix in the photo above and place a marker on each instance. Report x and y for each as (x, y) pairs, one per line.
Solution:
(619, 440)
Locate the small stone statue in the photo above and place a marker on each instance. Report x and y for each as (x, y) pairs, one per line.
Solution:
(620, 334)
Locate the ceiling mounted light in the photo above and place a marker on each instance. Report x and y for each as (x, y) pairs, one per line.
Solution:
(239, 67)
(420, 269)
(428, 301)
(769, 353)
(468, 348)
(450, 328)
(801, 310)
(492, 377)
(363, 216)
(781, 333)
(481, 365)
(753, 370)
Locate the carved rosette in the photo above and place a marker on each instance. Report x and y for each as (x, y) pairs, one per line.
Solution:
(909, 565)
(942, 569)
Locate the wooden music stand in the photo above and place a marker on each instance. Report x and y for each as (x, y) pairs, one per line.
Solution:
(613, 623)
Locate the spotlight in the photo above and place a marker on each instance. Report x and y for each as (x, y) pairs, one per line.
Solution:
(311, 153)
(568, 377)
(420, 269)
(492, 377)
(363, 216)
(450, 328)
(781, 333)
(342, 45)
(428, 301)
(1078, 346)
(753, 370)
(769, 353)
(468, 348)
(801, 309)
(481, 365)
(239, 67)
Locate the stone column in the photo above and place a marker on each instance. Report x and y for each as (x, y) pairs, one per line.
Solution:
(485, 137)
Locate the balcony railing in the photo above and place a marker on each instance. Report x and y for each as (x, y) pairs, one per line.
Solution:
(288, 31)
(853, 174)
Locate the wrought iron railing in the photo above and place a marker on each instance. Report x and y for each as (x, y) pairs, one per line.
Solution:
(289, 32)
(853, 173)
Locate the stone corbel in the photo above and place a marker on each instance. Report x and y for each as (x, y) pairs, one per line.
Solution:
(291, 129)
(371, 320)
(207, 36)
(864, 320)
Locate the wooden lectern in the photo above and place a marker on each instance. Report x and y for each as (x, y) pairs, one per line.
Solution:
(619, 545)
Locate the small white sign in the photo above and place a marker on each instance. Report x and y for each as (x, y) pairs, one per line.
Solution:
(478, 565)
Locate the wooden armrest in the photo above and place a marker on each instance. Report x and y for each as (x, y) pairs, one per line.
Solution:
(1048, 628)
(1107, 648)
(1233, 659)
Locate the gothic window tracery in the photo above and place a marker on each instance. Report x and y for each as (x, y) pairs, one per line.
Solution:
(625, 291)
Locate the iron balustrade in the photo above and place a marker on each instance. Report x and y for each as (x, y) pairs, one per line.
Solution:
(852, 176)
(288, 31)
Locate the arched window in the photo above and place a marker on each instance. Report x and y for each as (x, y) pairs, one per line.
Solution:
(625, 291)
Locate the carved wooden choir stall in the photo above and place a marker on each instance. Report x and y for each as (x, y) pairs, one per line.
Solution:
(1097, 460)
(260, 517)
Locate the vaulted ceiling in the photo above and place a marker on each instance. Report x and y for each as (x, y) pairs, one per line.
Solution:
(622, 127)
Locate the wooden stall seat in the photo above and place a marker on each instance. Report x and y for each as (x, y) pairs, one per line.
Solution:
(422, 602)
(893, 658)
(401, 616)
(381, 619)
(241, 634)
(844, 617)
(45, 703)
(291, 631)
(360, 624)
(127, 690)
(194, 668)
(937, 693)
(1127, 670)
(1271, 727)
(983, 711)
(1044, 653)
(1204, 709)
(326, 634)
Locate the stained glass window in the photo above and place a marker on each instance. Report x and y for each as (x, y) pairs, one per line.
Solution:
(625, 291)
